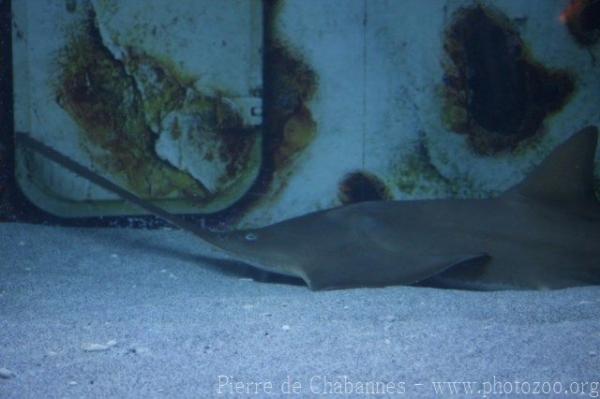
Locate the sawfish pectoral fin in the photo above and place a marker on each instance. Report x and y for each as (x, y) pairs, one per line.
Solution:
(381, 273)
(472, 264)
(459, 273)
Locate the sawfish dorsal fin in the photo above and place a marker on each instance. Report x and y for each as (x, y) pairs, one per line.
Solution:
(566, 176)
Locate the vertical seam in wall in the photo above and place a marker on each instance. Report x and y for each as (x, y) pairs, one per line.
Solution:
(364, 100)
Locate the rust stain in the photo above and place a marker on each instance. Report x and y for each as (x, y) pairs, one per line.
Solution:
(297, 133)
(236, 145)
(289, 127)
(116, 113)
(97, 92)
(292, 125)
(494, 91)
(361, 186)
(100, 94)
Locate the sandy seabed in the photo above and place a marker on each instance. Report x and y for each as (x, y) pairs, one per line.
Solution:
(123, 313)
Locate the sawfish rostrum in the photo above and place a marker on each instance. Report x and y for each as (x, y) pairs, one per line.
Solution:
(543, 233)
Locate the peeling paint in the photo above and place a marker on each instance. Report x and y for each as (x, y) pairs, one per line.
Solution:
(161, 86)
(493, 89)
(178, 126)
(147, 122)
(98, 93)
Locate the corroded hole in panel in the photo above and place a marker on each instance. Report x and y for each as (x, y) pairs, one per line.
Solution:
(493, 91)
(582, 18)
(362, 186)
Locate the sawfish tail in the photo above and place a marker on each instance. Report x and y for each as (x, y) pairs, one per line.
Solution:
(68, 163)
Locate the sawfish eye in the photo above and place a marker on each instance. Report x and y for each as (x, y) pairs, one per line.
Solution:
(251, 237)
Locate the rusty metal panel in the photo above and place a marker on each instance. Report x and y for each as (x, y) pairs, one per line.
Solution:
(163, 97)
(389, 104)
(362, 99)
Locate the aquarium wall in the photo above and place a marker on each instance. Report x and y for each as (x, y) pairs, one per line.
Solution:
(247, 112)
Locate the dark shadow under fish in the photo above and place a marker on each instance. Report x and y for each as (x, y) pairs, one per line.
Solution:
(543, 233)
